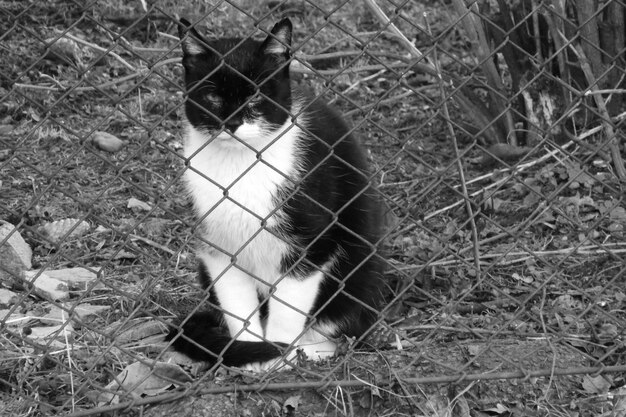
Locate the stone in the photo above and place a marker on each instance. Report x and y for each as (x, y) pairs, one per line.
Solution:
(15, 254)
(86, 312)
(50, 334)
(78, 279)
(7, 298)
(47, 287)
(12, 319)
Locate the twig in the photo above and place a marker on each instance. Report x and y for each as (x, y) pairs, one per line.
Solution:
(545, 330)
(429, 327)
(521, 167)
(101, 49)
(512, 171)
(301, 385)
(582, 250)
(365, 68)
(609, 91)
(69, 361)
(362, 80)
(102, 86)
(156, 245)
(381, 103)
(347, 54)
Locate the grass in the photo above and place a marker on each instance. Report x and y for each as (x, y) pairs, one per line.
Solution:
(535, 283)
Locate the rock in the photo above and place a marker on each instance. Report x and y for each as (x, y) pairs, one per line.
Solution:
(15, 254)
(7, 298)
(56, 231)
(134, 203)
(55, 316)
(53, 335)
(47, 287)
(107, 142)
(12, 319)
(87, 312)
(78, 279)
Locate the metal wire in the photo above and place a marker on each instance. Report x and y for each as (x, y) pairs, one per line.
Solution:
(495, 138)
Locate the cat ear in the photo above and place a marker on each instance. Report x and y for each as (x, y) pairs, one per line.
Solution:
(192, 42)
(279, 41)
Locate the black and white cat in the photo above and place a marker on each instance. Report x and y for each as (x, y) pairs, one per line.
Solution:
(289, 220)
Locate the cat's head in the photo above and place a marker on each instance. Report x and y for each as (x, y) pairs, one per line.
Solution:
(239, 86)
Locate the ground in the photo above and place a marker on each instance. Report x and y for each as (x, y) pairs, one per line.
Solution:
(497, 313)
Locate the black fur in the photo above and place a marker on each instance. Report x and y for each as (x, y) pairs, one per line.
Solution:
(333, 210)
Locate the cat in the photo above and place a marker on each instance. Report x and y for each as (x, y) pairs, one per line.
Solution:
(289, 221)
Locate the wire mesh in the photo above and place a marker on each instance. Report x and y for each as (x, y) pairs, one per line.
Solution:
(494, 131)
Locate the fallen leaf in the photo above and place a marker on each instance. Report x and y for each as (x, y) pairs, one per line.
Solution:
(498, 409)
(577, 175)
(596, 384)
(291, 404)
(62, 230)
(140, 379)
(524, 279)
(133, 330)
(618, 214)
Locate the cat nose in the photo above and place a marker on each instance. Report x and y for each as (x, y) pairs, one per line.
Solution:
(233, 123)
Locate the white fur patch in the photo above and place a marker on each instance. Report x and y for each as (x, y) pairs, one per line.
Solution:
(234, 191)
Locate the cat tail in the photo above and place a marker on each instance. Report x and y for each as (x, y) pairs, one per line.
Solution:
(204, 338)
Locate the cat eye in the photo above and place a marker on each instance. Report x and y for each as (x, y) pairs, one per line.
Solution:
(214, 99)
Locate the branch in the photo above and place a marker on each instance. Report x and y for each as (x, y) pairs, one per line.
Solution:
(476, 32)
(611, 137)
(382, 17)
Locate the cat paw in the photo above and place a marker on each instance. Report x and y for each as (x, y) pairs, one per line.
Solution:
(312, 351)
(318, 351)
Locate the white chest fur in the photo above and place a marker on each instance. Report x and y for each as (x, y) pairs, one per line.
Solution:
(234, 192)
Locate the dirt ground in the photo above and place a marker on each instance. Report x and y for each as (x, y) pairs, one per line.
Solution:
(493, 314)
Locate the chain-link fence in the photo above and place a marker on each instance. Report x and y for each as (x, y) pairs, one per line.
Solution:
(495, 135)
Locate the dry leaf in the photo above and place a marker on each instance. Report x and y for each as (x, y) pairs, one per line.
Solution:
(596, 384)
(291, 404)
(498, 409)
(139, 379)
(57, 230)
(136, 329)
